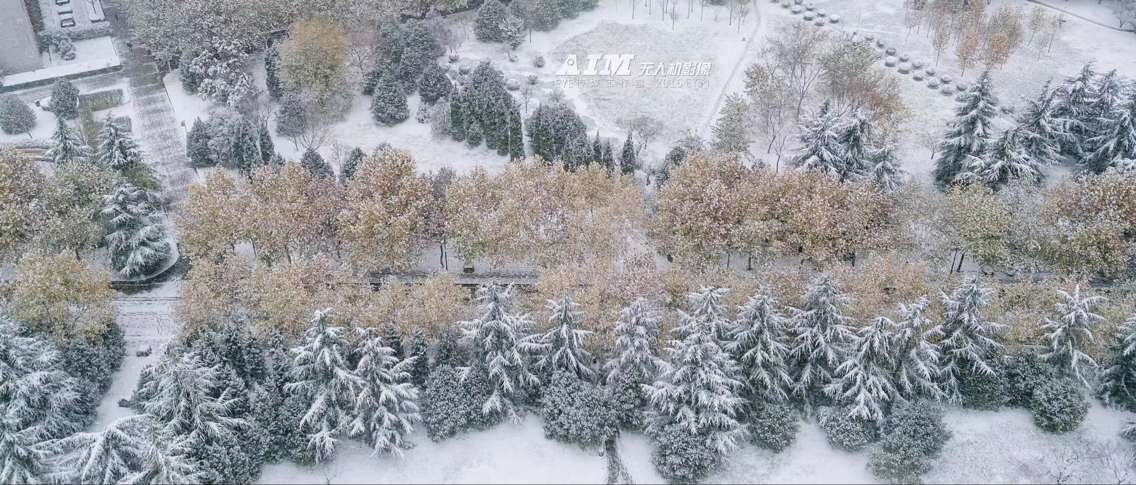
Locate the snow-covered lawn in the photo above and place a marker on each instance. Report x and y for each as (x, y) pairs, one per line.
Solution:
(986, 446)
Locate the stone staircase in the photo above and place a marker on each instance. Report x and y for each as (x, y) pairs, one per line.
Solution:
(161, 136)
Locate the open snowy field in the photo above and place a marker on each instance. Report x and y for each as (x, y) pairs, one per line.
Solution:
(986, 446)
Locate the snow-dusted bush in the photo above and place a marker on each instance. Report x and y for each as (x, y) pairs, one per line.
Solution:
(64, 100)
(388, 105)
(682, 456)
(912, 435)
(490, 19)
(978, 390)
(1058, 406)
(451, 404)
(575, 411)
(1024, 372)
(844, 431)
(773, 426)
(15, 115)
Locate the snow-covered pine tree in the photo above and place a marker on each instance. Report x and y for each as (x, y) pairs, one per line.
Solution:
(291, 117)
(821, 147)
(39, 402)
(708, 309)
(863, 383)
(884, 172)
(1071, 334)
(970, 341)
(420, 48)
(699, 392)
(66, 147)
(731, 130)
(635, 361)
(419, 350)
(434, 84)
(516, 144)
(857, 141)
(1005, 161)
(1074, 99)
(388, 105)
(137, 238)
(578, 153)
(487, 26)
(107, 456)
(264, 143)
(272, 82)
(473, 136)
(1040, 131)
(1108, 92)
(968, 133)
(820, 338)
(496, 337)
(197, 145)
(385, 408)
(627, 162)
(189, 399)
(914, 344)
(15, 115)
(1115, 139)
(347, 171)
(64, 100)
(1118, 380)
(164, 460)
(449, 350)
(277, 411)
(758, 345)
(323, 381)
(562, 347)
(315, 164)
(117, 149)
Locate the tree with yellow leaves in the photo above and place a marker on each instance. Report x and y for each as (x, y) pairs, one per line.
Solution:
(21, 185)
(212, 220)
(292, 213)
(700, 210)
(61, 296)
(313, 65)
(385, 217)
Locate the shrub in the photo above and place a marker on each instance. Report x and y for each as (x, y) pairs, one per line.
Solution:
(983, 391)
(844, 432)
(487, 25)
(681, 456)
(774, 426)
(451, 405)
(577, 412)
(388, 106)
(1058, 406)
(1025, 372)
(912, 436)
(64, 100)
(15, 116)
(434, 84)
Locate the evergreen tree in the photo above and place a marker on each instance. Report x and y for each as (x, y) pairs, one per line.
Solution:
(731, 130)
(1075, 97)
(392, 338)
(473, 135)
(1108, 91)
(1116, 139)
(578, 153)
(164, 460)
(39, 402)
(315, 164)
(487, 26)
(635, 361)
(1118, 380)
(969, 341)
(575, 411)
(277, 411)
(420, 49)
(272, 82)
(247, 150)
(513, 31)
(608, 159)
(197, 146)
(884, 173)
(516, 146)
(449, 350)
(108, 456)
(66, 147)
(627, 162)
(758, 344)
(117, 149)
(265, 144)
(1040, 130)
(562, 347)
(137, 237)
(857, 143)
(434, 84)
(291, 118)
(323, 381)
(385, 408)
(821, 334)
(864, 383)
(496, 337)
(15, 115)
(914, 344)
(458, 127)
(420, 370)
(699, 392)
(551, 128)
(821, 149)
(1071, 334)
(1005, 161)
(64, 100)
(968, 133)
(451, 404)
(388, 106)
(347, 171)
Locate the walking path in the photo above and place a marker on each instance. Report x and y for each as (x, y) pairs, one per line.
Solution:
(161, 136)
(1077, 15)
(728, 87)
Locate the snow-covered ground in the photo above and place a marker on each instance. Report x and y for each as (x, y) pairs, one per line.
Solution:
(986, 446)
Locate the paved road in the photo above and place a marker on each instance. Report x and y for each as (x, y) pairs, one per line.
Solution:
(157, 129)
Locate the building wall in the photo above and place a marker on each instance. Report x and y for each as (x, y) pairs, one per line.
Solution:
(18, 49)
